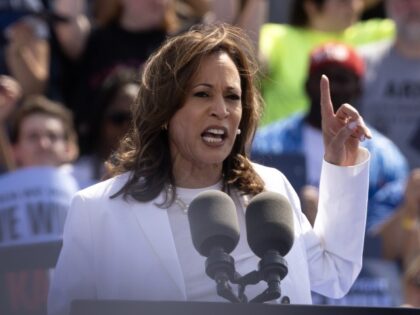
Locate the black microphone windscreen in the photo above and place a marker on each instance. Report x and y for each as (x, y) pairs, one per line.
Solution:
(269, 224)
(213, 222)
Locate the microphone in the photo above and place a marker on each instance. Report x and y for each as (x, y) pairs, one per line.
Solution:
(270, 234)
(215, 233)
(269, 224)
(213, 222)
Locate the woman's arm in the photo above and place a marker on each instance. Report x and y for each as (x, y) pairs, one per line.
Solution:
(335, 245)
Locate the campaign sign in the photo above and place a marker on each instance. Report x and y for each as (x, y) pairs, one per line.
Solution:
(34, 203)
(33, 207)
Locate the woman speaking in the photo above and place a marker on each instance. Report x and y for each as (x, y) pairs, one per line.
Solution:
(193, 121)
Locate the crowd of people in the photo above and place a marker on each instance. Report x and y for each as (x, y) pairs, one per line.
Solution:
(114, 92)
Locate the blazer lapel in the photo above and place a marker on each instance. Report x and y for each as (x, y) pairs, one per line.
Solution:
(154, 223)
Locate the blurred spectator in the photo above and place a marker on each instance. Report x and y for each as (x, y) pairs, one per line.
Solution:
(73, 34)
(285, 48)
(113, 119)
(24, 52)
(246, 14)
(128, 32)
(191, 12)
(301, 133)
(375, 9)
(401, 238)
(35, 198)
(68, 25)
(391, 97)
(279, 11)
(42, 134)
(401, 232)
(411, 283)
(10, 94)
(249, 15)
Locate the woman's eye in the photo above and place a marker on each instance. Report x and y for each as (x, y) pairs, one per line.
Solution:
(234, 97)
(201, 94)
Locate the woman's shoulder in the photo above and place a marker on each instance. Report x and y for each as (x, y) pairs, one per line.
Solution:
(105, 188)
(275, 181)
(270, 175)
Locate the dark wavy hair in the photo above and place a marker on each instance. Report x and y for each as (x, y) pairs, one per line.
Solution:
(167, 74)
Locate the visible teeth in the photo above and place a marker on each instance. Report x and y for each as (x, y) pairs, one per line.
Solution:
(216, 131)
(211, 139)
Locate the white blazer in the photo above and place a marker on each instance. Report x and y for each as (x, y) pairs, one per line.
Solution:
(124, 249)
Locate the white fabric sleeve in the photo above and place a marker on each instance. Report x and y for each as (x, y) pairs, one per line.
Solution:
(72, 277)
(335, 245)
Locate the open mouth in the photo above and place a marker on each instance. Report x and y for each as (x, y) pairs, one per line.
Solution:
(214, 135)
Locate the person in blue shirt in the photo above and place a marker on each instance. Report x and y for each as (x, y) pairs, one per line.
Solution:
(301, 133)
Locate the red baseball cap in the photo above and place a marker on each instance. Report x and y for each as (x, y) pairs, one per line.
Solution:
(336, 53)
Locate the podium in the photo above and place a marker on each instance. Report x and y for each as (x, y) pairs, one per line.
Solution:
(29, 256)
(24, 276)
(108, 307)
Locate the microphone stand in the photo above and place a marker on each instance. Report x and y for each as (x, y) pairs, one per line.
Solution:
(272, 268)
(220, 266)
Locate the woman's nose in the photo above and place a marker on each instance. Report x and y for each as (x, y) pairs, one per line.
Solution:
(219, 108)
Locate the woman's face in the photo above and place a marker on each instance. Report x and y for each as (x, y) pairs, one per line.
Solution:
(202, 132)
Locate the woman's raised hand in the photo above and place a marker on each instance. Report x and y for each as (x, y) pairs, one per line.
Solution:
(342, 130)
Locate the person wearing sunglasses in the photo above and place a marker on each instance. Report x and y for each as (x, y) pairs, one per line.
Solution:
(113, 120)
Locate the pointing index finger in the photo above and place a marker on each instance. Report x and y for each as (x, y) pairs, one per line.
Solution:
(326, 103)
